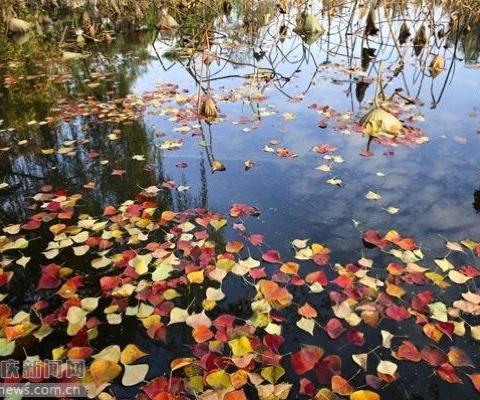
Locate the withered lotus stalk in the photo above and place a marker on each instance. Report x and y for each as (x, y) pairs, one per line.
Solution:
(379, 121)
(208, 108)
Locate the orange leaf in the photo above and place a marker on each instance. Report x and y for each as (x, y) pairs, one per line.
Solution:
(307, 311)
(202, 333)
(104, 371)
(458, 358)
(475, 378)
(79, 353)
(408, 351)
(235, 395)
(234, 247)
(277, 296)
(341, 386)
(290, 268)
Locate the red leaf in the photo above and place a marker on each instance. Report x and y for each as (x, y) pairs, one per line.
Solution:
(397, 313)
(470, 271)
(434, 356)
(239, 210)
(446, 327)
(304, 360)
(256, 239)
(307, 388)
(324, 148)
(50, 278)
(373, 381)
(421, 300)
(334, 328)
(258, 273)
(274, 342)
(448, 373)
(317, 276)
(272, 257)
(408, 351)
(356, 337)
(374, 238)
(328, 367)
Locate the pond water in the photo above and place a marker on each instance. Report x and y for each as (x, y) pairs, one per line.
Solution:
(281, 98)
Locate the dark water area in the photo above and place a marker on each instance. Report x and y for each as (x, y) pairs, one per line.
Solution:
(272, 91)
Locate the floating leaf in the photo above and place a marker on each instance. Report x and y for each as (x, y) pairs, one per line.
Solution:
(130, 354)
(104, 371)
(364, 395)
(273, 373)
(134, 374)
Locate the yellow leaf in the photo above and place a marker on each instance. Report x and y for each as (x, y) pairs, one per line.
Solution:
(140, 263)
(394, 290)
(196, 382)
(170, 294)
(241, 346)
(180, 363)
(438, 311)
(444, 264)
(219, 379)
(130, 354)
(364, 395)
(101, 262)
(437, 279)
(110, 353)
(195, 276)
(475, 331)
(273, 373)
(104, 371)
(218, 224)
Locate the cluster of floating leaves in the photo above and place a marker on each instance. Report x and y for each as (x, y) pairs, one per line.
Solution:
(146, 260)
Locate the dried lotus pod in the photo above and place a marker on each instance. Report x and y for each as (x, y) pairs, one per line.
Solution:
(218, 166)
(378, 121)
(208, 108)
(404, 33)
(420, 40)
(436, 66)
(308, 23)
(166, 21)
(17, 25)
